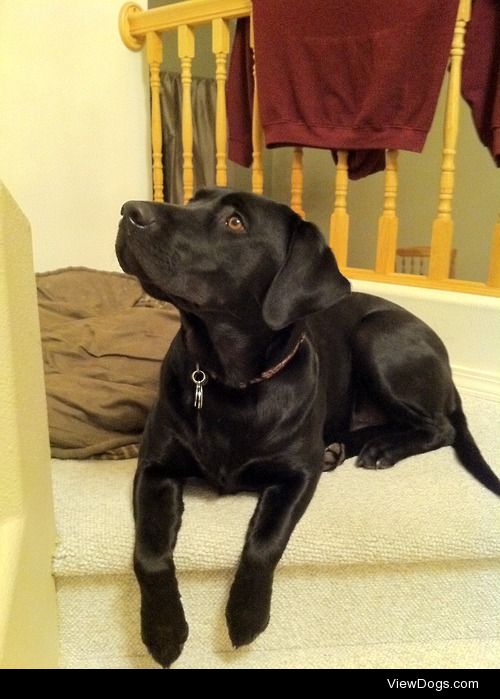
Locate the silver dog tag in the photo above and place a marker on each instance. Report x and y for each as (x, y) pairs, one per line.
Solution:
(199, 379)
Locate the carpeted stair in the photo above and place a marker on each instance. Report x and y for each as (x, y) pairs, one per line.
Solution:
(391, 568)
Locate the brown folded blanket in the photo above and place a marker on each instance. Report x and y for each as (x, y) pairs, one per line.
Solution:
(103, 342)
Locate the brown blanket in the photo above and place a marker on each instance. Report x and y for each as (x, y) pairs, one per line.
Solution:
(103, 343)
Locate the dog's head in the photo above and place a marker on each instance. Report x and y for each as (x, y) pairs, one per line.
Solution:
(231, 252)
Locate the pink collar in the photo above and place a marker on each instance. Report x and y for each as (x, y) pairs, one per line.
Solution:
(269, 373)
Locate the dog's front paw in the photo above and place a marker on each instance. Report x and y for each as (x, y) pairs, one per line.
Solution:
(245, 624)
(164, 633)
(248, 609)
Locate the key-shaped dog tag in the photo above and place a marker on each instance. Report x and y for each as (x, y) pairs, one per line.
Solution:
(199, 379)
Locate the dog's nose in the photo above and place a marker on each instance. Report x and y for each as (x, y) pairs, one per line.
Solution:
(139, 213)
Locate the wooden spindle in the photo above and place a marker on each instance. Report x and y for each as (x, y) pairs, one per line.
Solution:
(339, 220)
(154, 52)
(494, 267)
(257, 139)
(297, 184)
(442, 229)
(388, 221)
(185, 35)
(220, 47)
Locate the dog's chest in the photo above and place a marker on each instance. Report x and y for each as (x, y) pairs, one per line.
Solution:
(224, 447)
(238, 440)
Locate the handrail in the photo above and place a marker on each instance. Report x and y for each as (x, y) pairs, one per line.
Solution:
(135, 22)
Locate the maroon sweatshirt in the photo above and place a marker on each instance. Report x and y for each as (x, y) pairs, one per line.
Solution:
(341, 75)
(481, 72)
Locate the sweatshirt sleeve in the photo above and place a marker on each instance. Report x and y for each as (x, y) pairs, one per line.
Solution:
(481, 73)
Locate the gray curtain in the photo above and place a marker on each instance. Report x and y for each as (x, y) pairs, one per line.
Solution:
(203, 98)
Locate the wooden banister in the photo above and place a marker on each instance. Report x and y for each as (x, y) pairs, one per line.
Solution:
(140, 27)
(135, 22)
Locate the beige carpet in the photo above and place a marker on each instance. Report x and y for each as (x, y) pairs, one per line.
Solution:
(399, 567)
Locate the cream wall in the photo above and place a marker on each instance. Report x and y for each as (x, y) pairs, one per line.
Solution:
(28, 616)
(73, 125)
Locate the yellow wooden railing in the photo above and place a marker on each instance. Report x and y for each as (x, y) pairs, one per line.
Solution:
(139, 28)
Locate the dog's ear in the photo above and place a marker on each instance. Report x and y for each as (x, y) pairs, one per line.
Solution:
(309, 280)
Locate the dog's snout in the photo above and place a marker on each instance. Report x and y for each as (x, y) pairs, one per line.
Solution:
(140, 213)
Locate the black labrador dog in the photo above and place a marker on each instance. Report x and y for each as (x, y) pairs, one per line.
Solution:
(276, 359)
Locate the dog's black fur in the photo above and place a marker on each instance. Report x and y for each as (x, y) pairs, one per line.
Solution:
(250, 278)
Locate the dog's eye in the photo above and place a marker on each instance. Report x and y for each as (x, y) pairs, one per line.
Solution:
(235, 224)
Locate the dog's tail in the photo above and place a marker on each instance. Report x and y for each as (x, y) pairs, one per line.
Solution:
(468, 452)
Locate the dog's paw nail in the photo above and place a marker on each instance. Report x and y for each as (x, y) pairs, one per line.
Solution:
(373, 462)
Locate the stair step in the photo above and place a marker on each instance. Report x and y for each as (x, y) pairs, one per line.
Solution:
(404, 558)
(425, 508)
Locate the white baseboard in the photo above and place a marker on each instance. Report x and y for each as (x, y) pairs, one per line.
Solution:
(482, 384)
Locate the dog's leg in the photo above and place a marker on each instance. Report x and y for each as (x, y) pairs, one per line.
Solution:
(158, 509)
(394, 445)
(278, 510)
(403, 367)
(382, 446)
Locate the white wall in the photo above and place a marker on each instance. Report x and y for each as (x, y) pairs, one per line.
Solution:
(73, 125)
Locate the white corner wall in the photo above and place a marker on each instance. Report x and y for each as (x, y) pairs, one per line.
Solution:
(73, 126)
(28, 614)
